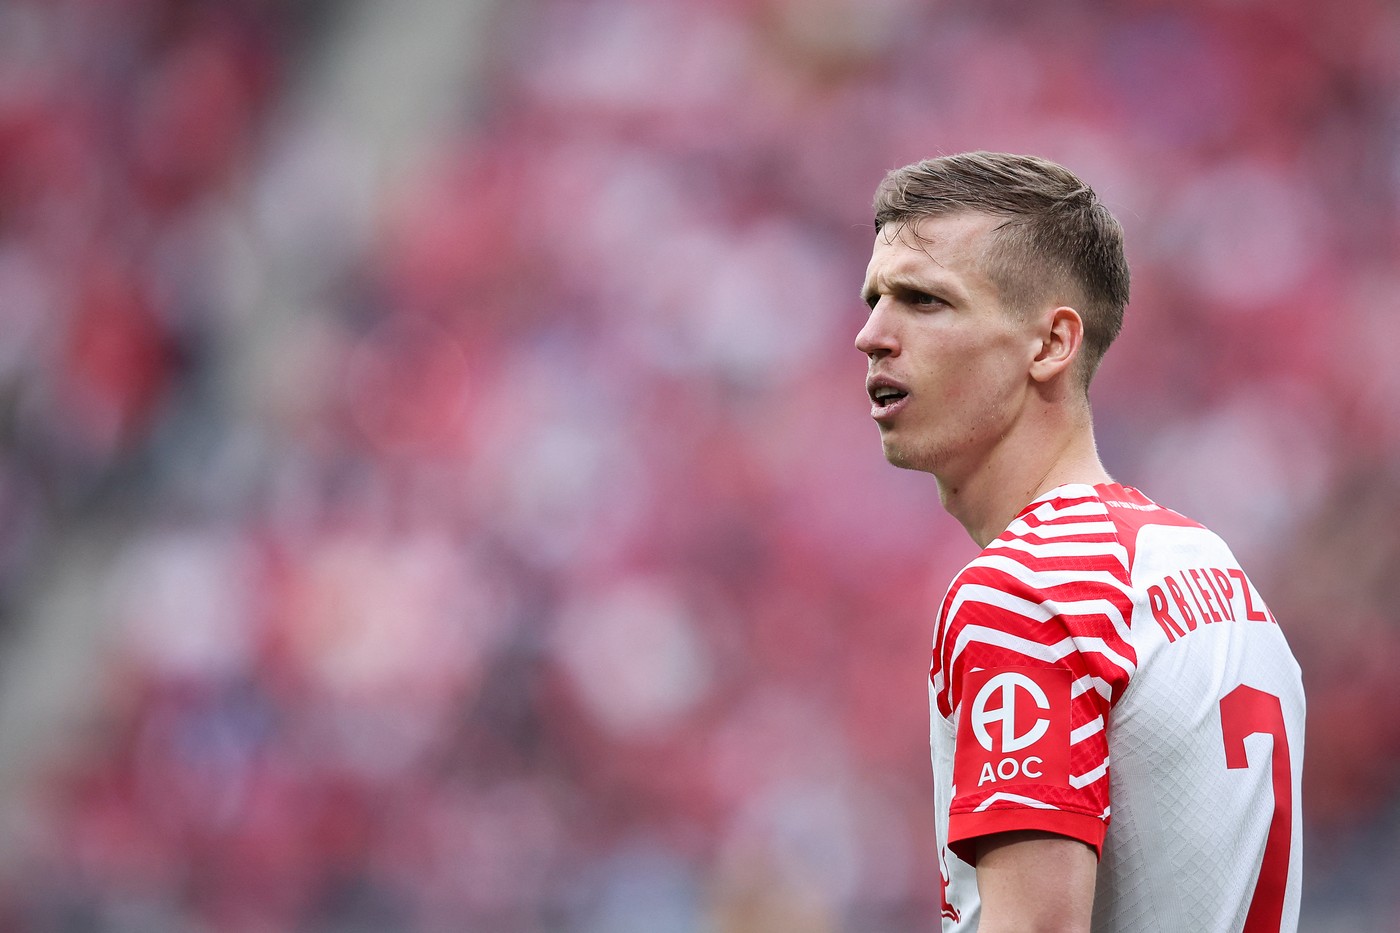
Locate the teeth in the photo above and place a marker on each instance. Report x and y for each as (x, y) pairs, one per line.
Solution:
(885, 393)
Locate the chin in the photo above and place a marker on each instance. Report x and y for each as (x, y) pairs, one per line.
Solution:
(904, 458)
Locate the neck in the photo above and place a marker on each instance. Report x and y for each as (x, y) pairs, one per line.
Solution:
(1034, 458)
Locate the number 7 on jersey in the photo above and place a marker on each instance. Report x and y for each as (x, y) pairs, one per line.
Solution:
(1246, 711)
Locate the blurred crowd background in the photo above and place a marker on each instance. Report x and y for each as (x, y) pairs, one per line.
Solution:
(437, 490)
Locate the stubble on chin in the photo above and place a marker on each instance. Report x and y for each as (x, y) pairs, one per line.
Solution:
(905, 457)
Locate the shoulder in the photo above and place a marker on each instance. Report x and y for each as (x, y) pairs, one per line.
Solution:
(1053, 586)
(1131, 512)
(1065, 539)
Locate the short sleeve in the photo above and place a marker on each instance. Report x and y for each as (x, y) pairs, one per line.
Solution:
(1032, 653)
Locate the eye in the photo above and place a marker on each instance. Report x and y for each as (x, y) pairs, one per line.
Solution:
(924, 299)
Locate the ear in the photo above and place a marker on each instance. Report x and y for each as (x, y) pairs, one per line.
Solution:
(1061, 338)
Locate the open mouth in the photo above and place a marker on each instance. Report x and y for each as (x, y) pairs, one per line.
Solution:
(886, 397)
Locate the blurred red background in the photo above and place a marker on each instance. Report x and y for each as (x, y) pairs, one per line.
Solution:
(436, 485)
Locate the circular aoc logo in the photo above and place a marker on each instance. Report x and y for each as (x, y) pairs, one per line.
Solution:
(996, 704)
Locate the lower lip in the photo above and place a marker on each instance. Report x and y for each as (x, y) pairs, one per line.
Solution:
(886, 412)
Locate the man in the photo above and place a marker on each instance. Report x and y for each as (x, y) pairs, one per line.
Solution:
(1117, 719)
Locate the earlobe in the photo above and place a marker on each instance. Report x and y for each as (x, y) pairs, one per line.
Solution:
(1060, 344)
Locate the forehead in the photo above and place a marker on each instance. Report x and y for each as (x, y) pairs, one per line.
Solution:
(936, 248)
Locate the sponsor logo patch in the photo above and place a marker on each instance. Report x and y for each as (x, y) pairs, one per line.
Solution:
(1013, 728)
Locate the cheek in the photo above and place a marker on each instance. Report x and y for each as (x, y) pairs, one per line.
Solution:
(974, 368)
(984, 382)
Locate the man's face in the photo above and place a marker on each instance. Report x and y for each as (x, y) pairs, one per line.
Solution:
(948, 364)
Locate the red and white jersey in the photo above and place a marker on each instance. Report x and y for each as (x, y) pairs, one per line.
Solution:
(1105, 670)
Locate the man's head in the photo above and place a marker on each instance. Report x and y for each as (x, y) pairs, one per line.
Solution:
(1054, 242)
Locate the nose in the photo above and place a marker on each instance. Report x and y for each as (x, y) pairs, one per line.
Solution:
(878, 337)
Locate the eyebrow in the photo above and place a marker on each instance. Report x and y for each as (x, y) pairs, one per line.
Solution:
(901, 282)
